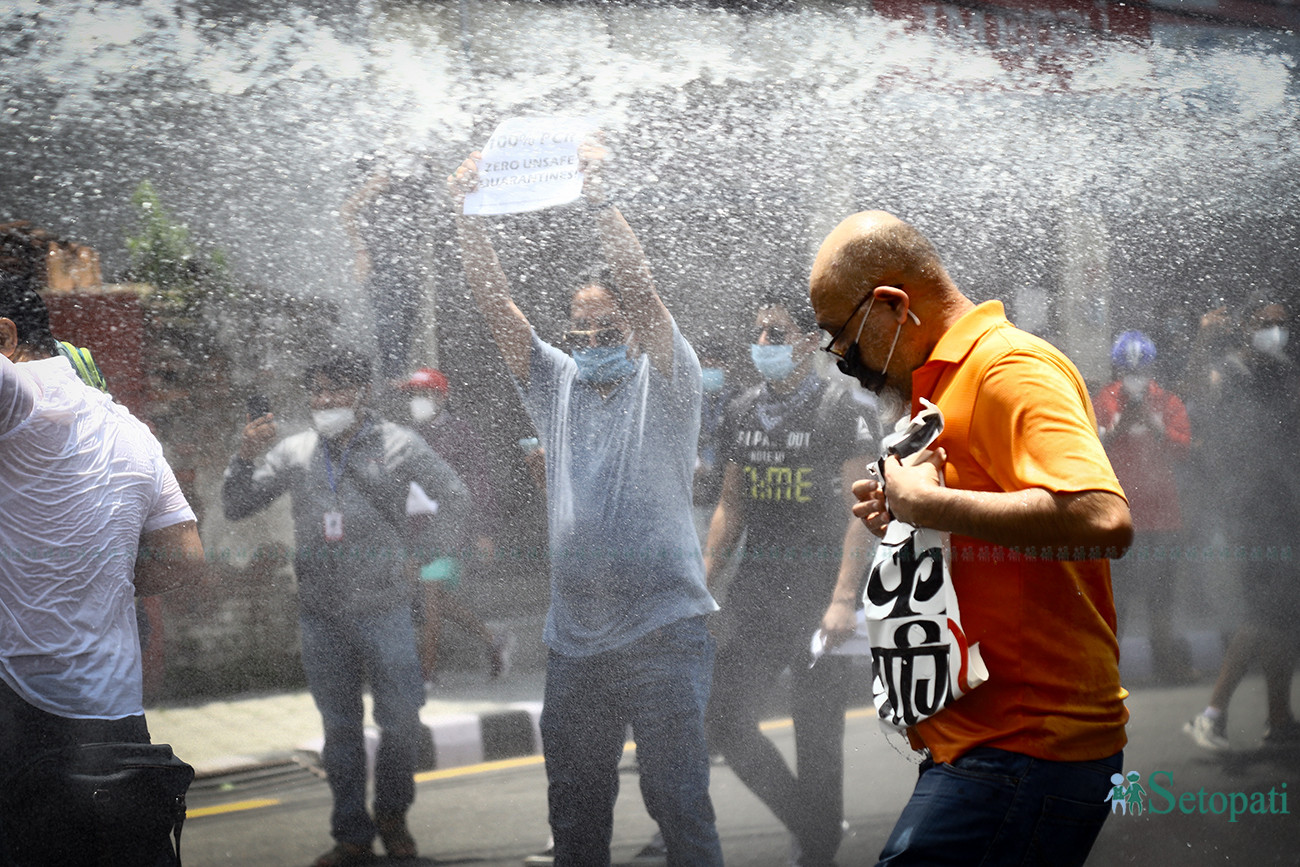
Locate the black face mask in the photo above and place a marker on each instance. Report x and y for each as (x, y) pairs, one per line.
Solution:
(852, 365)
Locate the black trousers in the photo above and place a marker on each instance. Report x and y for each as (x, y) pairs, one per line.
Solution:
(767, 627)
(27, 731)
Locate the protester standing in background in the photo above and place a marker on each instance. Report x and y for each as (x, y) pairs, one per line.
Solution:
(350, 478)
(618, 416)
(1243, 390)
(388, 219)
(788, 444)
(1146, 434)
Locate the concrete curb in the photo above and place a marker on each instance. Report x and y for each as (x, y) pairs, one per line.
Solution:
(457, 740)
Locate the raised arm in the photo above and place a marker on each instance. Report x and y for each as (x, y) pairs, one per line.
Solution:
(487, 281)
(246, 488)
(640, 302)
(350, 214)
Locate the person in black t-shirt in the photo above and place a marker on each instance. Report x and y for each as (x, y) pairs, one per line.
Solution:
(792, 445)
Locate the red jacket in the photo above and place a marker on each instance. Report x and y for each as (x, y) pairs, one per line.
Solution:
(1143, 449)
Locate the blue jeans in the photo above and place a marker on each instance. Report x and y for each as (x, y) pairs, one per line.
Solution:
(659, 685)
(340, 656)
(993, 807)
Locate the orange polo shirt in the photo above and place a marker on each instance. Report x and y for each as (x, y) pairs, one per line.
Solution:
(1017, 416)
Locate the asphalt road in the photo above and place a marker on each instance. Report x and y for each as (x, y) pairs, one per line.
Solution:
(496, 814)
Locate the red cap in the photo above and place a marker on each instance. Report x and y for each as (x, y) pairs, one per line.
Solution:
(426, 379)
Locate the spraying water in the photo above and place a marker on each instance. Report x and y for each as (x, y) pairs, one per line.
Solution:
(1001, 134)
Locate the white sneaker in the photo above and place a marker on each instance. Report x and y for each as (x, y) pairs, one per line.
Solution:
(1207, 733)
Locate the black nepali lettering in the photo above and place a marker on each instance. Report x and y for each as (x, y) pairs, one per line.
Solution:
(919, 581)
(914, 673)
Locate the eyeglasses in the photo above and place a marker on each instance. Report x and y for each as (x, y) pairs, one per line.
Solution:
(776, 336)
(830, 344)
(594, 334)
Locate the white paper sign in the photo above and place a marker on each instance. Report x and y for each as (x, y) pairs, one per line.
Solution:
(528, 164)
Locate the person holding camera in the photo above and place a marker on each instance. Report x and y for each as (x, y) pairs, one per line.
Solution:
(350, 477)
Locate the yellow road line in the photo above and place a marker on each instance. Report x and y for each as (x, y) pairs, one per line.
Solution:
(235, 807)
(480, 768)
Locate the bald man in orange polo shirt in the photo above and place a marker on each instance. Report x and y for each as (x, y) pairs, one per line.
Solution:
(1018, 770)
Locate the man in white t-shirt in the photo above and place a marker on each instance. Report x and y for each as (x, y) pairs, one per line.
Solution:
(91, 516)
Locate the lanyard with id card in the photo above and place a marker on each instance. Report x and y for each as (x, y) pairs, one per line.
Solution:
(333, 519)
(333, 526)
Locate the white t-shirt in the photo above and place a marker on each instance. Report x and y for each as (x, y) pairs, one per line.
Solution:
(80, 480)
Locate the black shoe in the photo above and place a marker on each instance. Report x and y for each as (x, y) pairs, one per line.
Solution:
(1286, 735)
(652, 853)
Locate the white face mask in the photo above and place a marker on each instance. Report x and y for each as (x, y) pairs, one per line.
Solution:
(423, 409)
(330, 423)
(1136, 384)
(1271, 340)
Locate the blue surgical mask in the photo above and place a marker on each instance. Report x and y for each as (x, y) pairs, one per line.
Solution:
(714, 378)
(773, 363)
(601, 364)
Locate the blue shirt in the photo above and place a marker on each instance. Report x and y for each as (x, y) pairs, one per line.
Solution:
(625, 558)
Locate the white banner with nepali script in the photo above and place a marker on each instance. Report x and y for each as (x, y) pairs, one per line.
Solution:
(920, 659)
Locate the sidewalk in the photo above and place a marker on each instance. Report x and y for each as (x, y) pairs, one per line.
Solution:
(471, 718)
